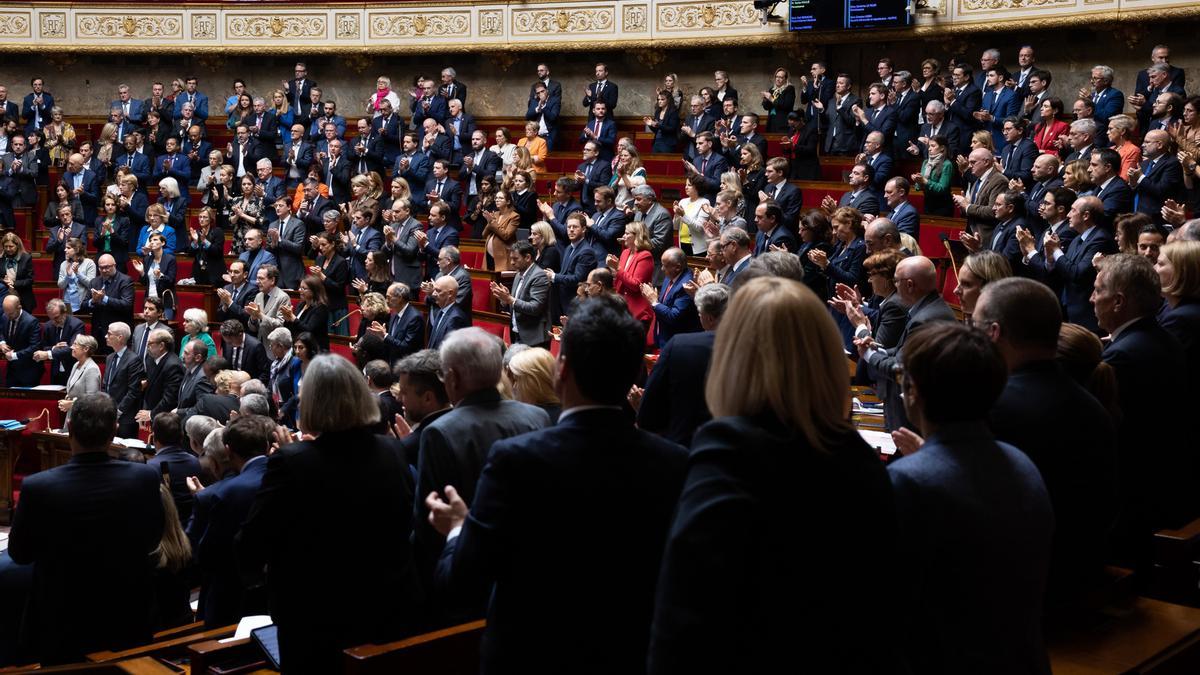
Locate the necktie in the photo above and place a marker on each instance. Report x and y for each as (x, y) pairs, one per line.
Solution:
(1096, 98)
(116, 365)
(12, 329)
(439, 188)
(704, 165)
(597, 130)
(587, 171)
(599, 88)
(237, 358)
(145, 339)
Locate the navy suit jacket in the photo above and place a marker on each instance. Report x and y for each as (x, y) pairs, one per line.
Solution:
(1017, 160)
(438, 110)
(405, 333)
(604, 621)
(606, 139)
(675, 311)
(1111, 103)
(965, 104)
(43, 111)
(865, 201)
(200, 110)
(883, 121)
(881, 167)
(419, 166)
(711, 172)
(139, 164)
(908, 221)
(389, 132)
(22, 371)
(451, 194)
(609, 96)
(975, 533)
(607, 229)
(1163, 182)
(217, 516)
(438, 237)
(908, 115)
(448, 320)
(781, 236)
(64, 528)
(789, 200)
(178, 167)
(549, 113)
(1001, 105)
(1004, 241)
(181, 463)
(601, 173)
(1117, 198)
(673, 404)
(1075, 272)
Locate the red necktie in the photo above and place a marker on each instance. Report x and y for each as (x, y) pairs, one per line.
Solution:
(597, 128)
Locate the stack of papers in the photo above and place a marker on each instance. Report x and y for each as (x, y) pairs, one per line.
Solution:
(861, 408)
(880, 440)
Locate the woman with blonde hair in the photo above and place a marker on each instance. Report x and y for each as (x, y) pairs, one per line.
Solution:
(979, 139)
(360, 191)
(545, 246)
(533, 380)
(383, 92)
(780, 446)
(978, 270)
(84, 377)
(628, 173)
(283, 110)
(60, 137)
(106, 142)
(536, 147)
(634, 268)
(398, 189)
(1178, 270)
(1076, 176)
(1121, 129)
(690, 216)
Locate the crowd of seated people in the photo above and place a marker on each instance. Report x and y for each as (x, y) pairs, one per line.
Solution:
(453, 476)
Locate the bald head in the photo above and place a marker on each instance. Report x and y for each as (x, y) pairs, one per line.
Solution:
(881, 234)
(446, 289)
(107, 265)
(980, 160)
(12, 306)
(916, 277)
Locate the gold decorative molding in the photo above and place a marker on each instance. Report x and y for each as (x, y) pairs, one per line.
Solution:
(15, 25)
(356, 62)
(583, 20)
(61, 62)
(503, 60)
(53, 25)
(635, 19)
(416, 24)
(993, 5)
(128, 26)
(210, 62)
(204, 26)
(695, 16)
(347, 26)
(649, 58)
(294, 26)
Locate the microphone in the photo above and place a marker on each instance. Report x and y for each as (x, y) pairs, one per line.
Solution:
(348, 315)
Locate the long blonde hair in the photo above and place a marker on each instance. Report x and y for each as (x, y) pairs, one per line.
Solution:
(778, 351)
(174, 551)
(533, 376)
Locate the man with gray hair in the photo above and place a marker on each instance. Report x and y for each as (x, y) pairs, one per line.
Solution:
(1158, 479)
(981, 195)
(123, 373)
(195, 384)
(448, 317)
(1108, 102)
(674, 309)
(454, 447)
(164, 373)
(254, 404)
(672, 404)
(656, 219)
(1082, 139)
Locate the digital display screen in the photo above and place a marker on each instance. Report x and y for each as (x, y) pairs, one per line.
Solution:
(833, 15)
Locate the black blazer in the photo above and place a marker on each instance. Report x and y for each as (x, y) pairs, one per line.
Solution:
(166, 282)
(337, 277)
(210, 257)
(162, 383)
(550, 258)
(124, 384)
(314, 320)
(1077, 462)
(88, 528)
(24, 280)
(673, 404)
(601, 595)
(367, 510)
(22, 371)
(724, 573)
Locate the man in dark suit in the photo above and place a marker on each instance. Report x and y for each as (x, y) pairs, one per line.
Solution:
(264, 125)
(608, 223)
(999, 104)
(232, 298)
(244, 352)
(429, 106)
(1018, 155)
(449, 317)
(84, 184)
(768, 219)
(1072, 269)
(1055, 206)
(35, 108)
(404, 332)
(674, 310)
(672, 404)
(601, 130)
(1002, 519)
(56, 529)
(196, 149)
(591, 174)
(544, 108)
(218, 514)
(299, 91)
(529, 300)
(195, 384)
(695, 122)
(1153, 83)
(298, 154)
(123, 374)
(110, 296)
(434, 142)
(312, 208)
(401, 245)
(190, 95)
(285, 240)
(458, 126)
(600, 91)
(157, 101)
(937, 124)
(1106, 100)
(164, 373)
(422, 397)
(441, 235)
(819, 88)
(1111, 189)
(595, 447)
(411, 164)
(880, 161)
(477, 163)
(173, 164)
(860, 195)
(877, 115)
(1044, 175)
(366, 151)
(908, 110)
(578, 259)
(244, 153)
(785, 195)
(10, 109)
(20, 167)
(841, 127)
(389, 128)
(554, 87)
(1158, 178)
(1160, 54)
(916, 282)
(443, 189)
(1156, 479)
(707, 165)
(1077, 461)
(336, 170)
(963, 99)
(1009, 210)
(897, 208)
(138, 162)
(20, 336)
(58, 334)
(981, 195)
(328, 124)
(179, 460)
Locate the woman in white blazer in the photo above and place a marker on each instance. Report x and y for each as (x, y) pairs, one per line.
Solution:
(84, 377)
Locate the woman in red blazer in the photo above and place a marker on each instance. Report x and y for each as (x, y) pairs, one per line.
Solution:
(634, 268)
(1047, 132)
